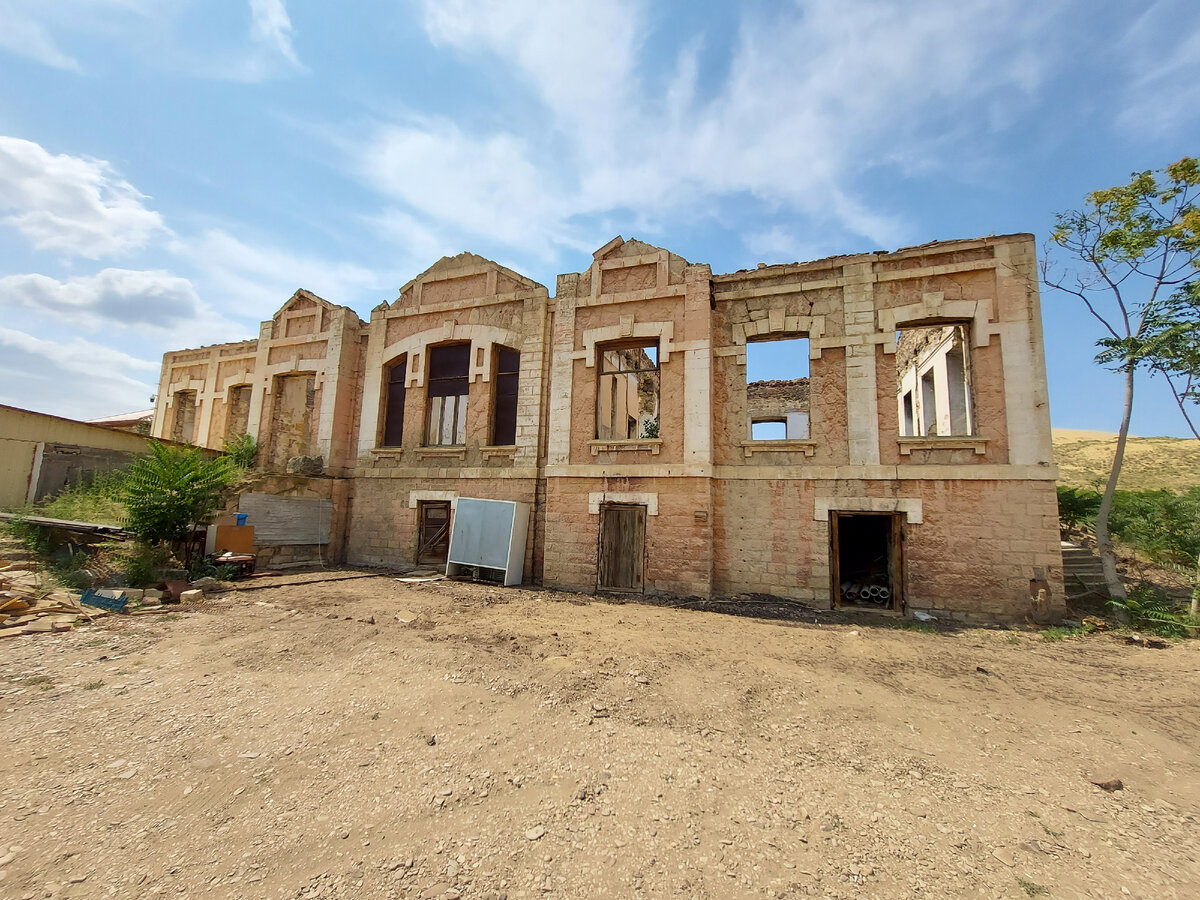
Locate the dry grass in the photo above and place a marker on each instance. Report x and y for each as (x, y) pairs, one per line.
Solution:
(1084, 457)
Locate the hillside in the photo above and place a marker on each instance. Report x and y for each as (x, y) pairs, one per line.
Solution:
(1084, 457)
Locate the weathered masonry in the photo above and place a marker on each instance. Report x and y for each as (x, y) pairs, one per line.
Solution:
(898, 460)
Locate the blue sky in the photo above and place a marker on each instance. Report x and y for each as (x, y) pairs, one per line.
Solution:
(171, 171)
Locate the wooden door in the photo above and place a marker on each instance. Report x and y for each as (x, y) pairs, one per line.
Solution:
(622, 547)
(433, 520)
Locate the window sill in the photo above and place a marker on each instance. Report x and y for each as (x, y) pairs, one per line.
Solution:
(949, 442)
(387, 451)
(457, 452)
(502, 451)
(808, 448)
(654, 445)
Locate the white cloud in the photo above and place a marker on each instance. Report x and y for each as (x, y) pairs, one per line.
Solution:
(814, 96)
(271, 52)
(254, 282)
(110, 298)
(71, 204)
(75, 378)
(484, 185)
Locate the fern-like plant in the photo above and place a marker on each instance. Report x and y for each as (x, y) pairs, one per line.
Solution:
(242, 449)
(1150, 610)
(171, 492)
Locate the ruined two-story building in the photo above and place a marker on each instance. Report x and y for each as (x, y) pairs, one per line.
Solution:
(898, 458)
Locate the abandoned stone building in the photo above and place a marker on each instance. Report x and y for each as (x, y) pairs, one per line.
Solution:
(898, 459)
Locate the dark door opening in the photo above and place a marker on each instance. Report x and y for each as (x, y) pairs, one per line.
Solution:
(866, 560)
(433, 527)
(622, 547)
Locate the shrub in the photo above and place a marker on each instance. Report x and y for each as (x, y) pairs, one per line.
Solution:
(173, 491)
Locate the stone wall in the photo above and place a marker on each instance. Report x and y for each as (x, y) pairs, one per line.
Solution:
(725, 514)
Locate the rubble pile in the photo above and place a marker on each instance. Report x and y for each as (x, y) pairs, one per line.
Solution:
(25, 608)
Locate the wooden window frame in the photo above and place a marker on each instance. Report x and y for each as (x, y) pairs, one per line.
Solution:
(395, 395)
(440, 387)
(506, 380)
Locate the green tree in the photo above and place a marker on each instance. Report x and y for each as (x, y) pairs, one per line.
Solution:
(1128, 254)
(171, 492)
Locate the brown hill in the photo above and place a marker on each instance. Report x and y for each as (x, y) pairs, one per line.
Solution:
(1084, 458)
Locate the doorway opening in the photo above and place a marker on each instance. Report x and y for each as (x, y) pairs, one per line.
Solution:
(433, 532)
(622, 547)
(866, 556)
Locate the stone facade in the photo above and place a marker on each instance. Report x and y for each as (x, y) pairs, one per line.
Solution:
(631, 395)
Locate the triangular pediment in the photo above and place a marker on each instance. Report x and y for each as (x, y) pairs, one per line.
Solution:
(305, 303)
(477, 275)
(619, 248)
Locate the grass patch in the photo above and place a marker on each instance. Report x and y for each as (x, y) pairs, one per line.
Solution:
(93, 685)
(917, 625)
(1062, 632)
(1031, 889)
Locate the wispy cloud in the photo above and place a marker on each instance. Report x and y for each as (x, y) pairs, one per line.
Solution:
(1161, 54)
(271, 27)
(22, 34)
(253, 281)
(813, 96)
(271, 52)
(71, 204)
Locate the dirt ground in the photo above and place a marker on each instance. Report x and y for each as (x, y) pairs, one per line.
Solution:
(368, 738)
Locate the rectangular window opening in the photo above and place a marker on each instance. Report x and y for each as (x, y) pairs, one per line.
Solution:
(628, 391)
(237, 421)
(449, 367)
(393, 413)
(778, 389)
(933, 381)
(183, 428)
(504, 409)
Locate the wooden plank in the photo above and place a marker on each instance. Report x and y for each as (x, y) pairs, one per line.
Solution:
(896, 562)
(835, 559)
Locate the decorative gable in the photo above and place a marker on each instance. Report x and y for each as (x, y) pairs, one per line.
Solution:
(462, 280)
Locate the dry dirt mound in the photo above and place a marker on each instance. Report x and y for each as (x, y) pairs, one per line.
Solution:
(366, 738)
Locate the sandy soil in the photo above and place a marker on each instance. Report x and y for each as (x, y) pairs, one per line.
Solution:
(488, 742)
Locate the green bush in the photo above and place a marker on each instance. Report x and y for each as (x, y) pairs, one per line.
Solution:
(1163, 525)
(173, 491)
(1077, 506)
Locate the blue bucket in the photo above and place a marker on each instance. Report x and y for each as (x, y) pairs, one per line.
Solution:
(241, 517)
